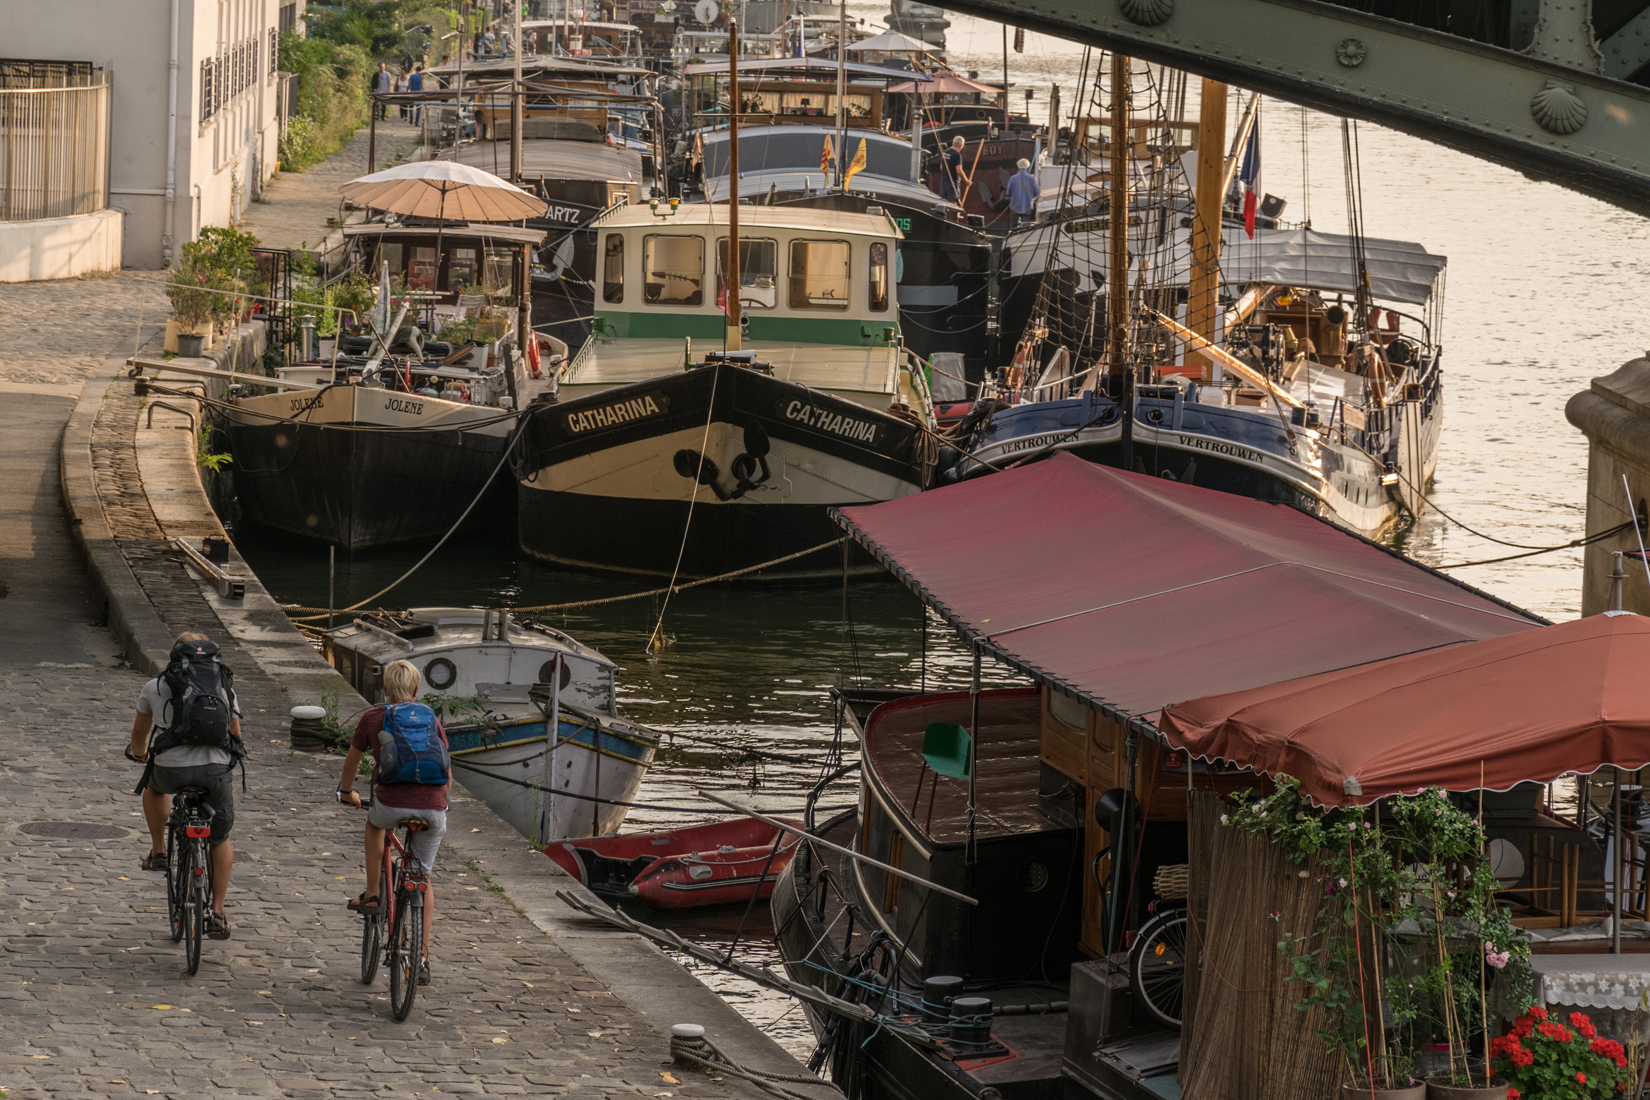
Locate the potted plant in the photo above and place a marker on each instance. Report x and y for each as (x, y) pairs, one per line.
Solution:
(190, 293)
(1542, 1058)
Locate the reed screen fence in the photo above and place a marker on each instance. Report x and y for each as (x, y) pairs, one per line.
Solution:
(54, 150)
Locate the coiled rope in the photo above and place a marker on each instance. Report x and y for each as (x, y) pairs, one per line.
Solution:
(703, 1053)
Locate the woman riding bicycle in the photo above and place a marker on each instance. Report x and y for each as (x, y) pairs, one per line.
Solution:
(192, 711)
(391, 802)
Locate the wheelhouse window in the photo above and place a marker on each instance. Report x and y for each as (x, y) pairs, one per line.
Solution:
(758, 271)
(613, 268)
(878, 281)
(421, 269)
(500, 272)
(819, 275)
(461, 269)
(673, 270)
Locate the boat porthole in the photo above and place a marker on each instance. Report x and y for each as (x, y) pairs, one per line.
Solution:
(1034, 877)
(440, 674)
(547, 667)
(1155, 416)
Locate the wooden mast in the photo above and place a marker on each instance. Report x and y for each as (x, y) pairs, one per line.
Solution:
(1202, 307)
(1117, 273)
(733, 333)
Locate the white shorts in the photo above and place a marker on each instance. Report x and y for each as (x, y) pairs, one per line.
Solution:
(425, 842)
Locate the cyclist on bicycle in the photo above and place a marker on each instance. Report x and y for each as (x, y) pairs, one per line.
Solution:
(192, 711)
(392, 802)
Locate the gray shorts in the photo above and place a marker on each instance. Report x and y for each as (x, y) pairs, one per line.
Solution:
(215, 779)
(425, 842)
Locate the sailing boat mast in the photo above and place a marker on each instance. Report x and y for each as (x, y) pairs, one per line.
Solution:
(517, 106)
(1202, 307)
(732, 284)
(1117, 274)
(841, 90)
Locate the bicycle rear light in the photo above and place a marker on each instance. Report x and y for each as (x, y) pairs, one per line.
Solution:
(199, 830)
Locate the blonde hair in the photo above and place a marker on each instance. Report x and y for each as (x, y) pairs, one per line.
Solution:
(400, 682)
(190, 636)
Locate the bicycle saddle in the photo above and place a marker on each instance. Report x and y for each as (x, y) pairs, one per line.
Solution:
(199, 792)
(416, 824)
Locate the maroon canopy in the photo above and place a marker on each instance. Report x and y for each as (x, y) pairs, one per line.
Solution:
(1135, 591)
(1531, 706)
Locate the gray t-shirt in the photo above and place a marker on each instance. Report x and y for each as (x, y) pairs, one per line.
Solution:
(155, 700)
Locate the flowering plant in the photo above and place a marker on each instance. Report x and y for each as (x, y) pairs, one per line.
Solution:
(1543, 1059)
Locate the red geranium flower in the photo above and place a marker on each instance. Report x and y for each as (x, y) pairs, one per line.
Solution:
(1582, 1077)
(1536, 1012)
(1582, 1024)
(1555, 1031)
(1521, 1057)
(1514, 1094)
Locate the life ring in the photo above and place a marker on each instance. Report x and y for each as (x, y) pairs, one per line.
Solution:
(440, 674)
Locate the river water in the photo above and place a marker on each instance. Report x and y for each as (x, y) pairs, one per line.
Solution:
(1543, 293)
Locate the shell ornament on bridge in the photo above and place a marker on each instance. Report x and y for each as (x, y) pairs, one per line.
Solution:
(1351, 52)
(1558, 109)
(1147, 13)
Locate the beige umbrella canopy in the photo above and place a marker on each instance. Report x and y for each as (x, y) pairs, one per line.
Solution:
(891, 42)
(443, 189)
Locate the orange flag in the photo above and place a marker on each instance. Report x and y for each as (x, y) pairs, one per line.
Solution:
(854, 166)
(825, 160)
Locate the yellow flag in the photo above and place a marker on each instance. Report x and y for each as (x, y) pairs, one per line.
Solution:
(698, 148)
(855, 165)
(825, 160)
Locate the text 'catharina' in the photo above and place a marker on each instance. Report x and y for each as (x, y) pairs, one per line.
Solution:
(620, 412)
(827, 421)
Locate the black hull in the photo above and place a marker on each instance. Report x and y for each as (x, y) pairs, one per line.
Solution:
(630, 505)
(364, 489)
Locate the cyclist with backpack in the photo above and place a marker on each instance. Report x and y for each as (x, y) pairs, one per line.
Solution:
(187, 733)
(410, 777)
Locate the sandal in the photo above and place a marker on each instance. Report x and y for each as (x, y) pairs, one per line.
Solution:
(156, 861)
(364, 904)
(218, 926)
(424, 972)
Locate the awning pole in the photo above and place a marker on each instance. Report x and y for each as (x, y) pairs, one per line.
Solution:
(973, 753)
(1615, 835)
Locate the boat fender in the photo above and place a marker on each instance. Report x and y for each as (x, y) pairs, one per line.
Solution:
(533, 357)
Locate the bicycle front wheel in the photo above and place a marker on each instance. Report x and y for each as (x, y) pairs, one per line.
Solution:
(372, 943)
(1157, 966)
(195, 905)
(175, 885)
(408, 951)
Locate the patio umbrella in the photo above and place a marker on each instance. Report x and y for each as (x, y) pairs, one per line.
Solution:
(947, 84)
(891, 42)
(444, 189)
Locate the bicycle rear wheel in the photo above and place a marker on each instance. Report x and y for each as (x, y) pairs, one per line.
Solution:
(372, 943)
(407, 941)
(195, 905)
(175, 886)
(1157, 966)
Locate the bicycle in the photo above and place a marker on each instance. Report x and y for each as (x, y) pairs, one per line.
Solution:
(188, 870)
(401, 890)
(1157, 965)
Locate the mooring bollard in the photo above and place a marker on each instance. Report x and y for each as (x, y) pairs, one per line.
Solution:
(309, 729)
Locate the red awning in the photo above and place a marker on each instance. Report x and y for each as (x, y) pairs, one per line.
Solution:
(1134, 592)
(947, 84)
(1532, 706)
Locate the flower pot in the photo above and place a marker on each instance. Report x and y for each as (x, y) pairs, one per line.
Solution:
(189, 344)
(1443, 1090)
(1408, 1092)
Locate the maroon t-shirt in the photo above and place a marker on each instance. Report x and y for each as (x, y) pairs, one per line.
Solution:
(403, 796)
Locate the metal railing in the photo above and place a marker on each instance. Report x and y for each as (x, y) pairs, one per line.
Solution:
(54, 150)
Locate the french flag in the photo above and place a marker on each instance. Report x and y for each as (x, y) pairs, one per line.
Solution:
(1249, 177)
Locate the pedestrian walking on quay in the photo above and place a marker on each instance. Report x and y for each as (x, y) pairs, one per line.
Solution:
(404, 84)
(382, 84)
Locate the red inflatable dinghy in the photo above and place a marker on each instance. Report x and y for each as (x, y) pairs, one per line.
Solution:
(712, 864)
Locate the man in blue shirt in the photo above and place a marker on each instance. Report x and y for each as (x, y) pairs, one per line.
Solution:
(416, 84)
(951, 173)
(1022, 196)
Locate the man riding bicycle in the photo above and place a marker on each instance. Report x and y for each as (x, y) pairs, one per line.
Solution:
(192, 712)
(395, 798)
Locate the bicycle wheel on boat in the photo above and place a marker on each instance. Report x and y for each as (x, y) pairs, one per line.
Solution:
(1157, 966)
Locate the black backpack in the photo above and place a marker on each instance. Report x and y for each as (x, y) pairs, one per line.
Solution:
(199, 710)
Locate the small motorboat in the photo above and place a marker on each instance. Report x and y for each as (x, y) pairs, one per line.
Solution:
(498, 685)
(714, 864)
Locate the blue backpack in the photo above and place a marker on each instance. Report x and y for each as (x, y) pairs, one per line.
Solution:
(410, 749)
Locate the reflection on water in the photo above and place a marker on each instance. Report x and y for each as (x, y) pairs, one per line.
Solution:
(1539, 290)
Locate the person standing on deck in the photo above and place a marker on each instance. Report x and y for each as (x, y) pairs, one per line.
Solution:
(1023, 190)
(951, 173)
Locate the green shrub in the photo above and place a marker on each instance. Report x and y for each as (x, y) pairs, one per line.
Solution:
(332, 98)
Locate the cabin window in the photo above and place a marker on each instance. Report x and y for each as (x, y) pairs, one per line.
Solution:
(613, 268)
(421, 269)
(1067, 711)
(500, 272)
(396, 256)
(758, 271)
(673, 270)
(819, 275)
(879, 278)
(461, 269)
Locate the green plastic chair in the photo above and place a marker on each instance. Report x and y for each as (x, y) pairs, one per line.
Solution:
(948, 749)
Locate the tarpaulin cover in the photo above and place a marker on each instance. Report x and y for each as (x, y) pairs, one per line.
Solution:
(1532, 706)
(1136, 592)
